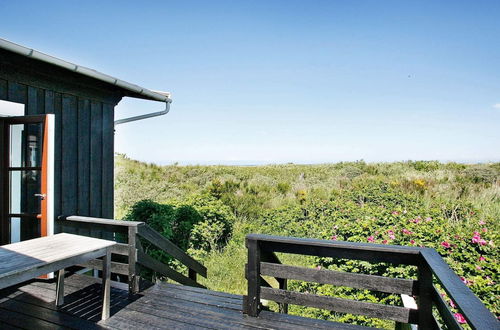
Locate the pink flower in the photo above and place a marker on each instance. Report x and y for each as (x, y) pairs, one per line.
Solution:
(371, 239)
(395, 212)
(428, 219)
(485, 230)
(391, 234)
(460, 318)
(406, 232)
(452, 304)
(482, 242)
(384, 241)
(476, 238)
(478, 268)
(446, 244)
(412, 242)
(481, 258)
(318, 267)
(334, 237)
(482, 222)
(465, 281)
(335, 227)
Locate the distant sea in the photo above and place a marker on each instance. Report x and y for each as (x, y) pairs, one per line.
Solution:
(262, 163)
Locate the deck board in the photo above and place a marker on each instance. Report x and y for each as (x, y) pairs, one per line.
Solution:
(162, 306)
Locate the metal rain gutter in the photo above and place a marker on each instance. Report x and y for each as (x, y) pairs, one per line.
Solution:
(29, 52)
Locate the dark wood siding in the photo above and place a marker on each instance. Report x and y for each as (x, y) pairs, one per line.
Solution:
(83, 157)
(108, 164)
(84, 146)
(96, 158)
(69, 162)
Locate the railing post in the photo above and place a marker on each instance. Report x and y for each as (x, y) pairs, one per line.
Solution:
(251, 303)
(425, 318)
(192, 274)
(133, 278)
(283, 308)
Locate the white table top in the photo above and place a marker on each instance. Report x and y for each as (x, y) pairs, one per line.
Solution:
(22, 256)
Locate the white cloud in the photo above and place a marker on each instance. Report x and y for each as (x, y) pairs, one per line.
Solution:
(496, 106)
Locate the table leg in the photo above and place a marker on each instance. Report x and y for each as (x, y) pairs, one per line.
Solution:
(60, 287)
(106, 275)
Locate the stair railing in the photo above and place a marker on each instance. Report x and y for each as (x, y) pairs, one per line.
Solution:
(127, 234)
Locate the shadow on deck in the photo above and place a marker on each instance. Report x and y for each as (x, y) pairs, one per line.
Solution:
(161, 306)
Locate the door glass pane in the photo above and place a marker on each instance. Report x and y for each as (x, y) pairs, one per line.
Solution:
(24, 228)
(23, 187)
(15, 230)
(16, 134)
(25, 145)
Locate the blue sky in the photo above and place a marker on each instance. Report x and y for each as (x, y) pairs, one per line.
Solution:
(287, 81)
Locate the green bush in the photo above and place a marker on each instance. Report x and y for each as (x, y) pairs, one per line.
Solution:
(161, 218)
(200, 223)
(482, 174)
(425, 166)
(214, 228)
(283, 187)
(352, 171)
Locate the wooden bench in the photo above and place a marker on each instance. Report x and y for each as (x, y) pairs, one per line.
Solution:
(27, 260)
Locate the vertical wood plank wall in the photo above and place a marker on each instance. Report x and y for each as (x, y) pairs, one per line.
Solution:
(84, 147)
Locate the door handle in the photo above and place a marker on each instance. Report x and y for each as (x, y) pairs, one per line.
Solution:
(42, 196)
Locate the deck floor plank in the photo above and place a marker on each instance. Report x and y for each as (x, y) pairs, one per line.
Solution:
(161, 306)
(23, 321)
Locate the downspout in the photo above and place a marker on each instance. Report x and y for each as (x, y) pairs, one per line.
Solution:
(146, 116)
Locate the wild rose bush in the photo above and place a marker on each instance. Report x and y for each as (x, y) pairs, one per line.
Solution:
(377, 213)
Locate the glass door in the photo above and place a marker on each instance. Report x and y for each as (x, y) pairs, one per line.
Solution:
(27, 178)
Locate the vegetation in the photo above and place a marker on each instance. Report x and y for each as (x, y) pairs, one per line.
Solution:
(208, 210)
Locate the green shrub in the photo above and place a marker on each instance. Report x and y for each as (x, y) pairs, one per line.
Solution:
(283, 187)
(482, 174)
(425, 166)
(200, 223)
(351, 172)
(161, 218)
(214, 228)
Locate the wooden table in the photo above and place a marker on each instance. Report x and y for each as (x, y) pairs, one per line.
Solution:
(26, 260)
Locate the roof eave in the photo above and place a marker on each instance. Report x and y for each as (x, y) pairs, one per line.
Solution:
(132, 89)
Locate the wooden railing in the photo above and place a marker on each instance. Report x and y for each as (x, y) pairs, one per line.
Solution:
(128, 234)
(431, 268)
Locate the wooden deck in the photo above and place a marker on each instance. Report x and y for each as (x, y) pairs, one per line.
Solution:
(161, 306)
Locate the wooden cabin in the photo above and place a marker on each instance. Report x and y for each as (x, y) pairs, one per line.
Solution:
(70, 155)
(56, 158)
